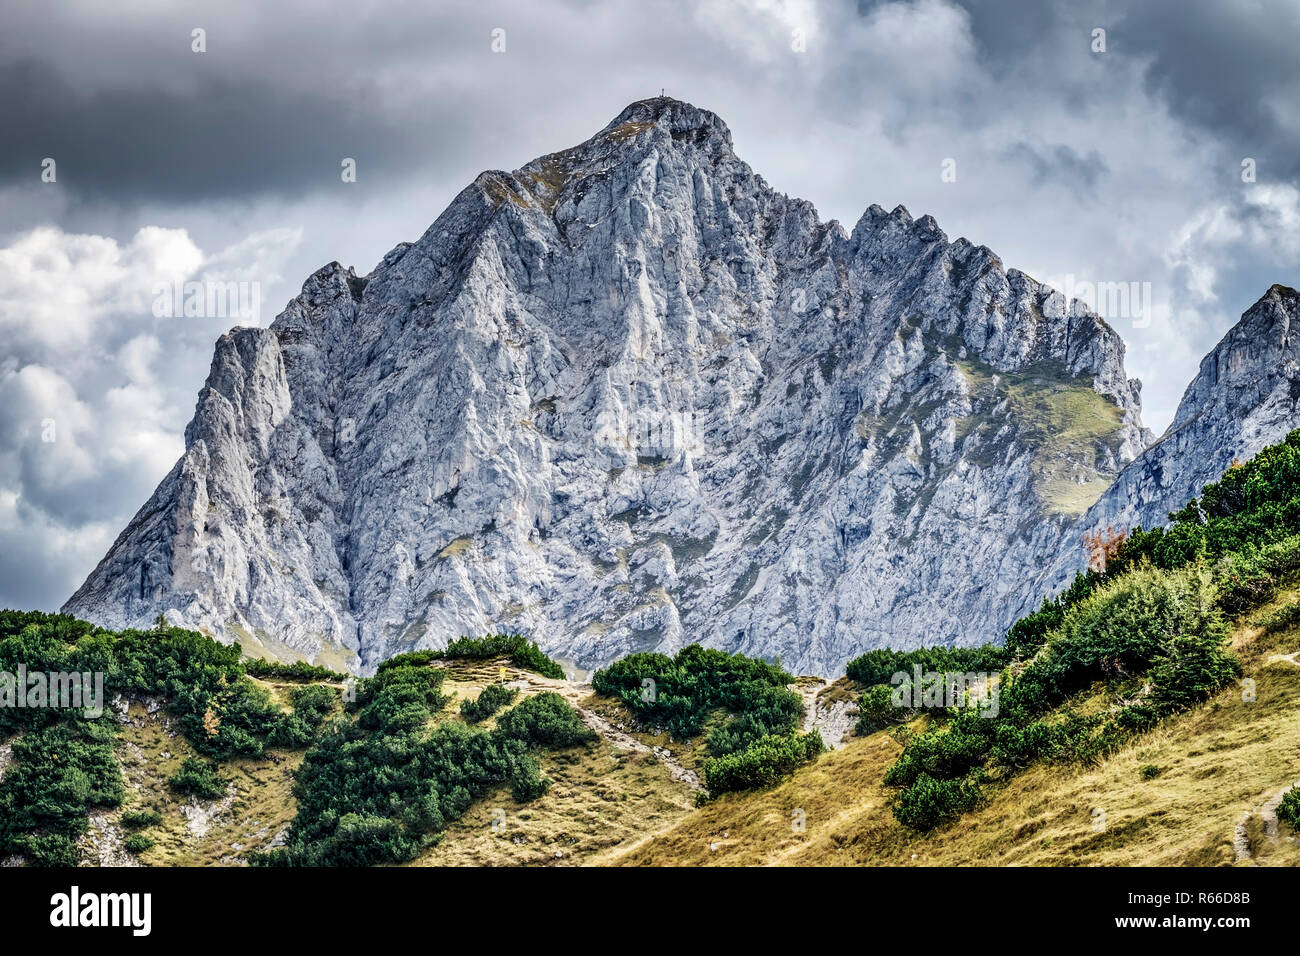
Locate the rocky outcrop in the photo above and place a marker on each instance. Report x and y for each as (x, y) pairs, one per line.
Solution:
(1245, 397)
(629, 397)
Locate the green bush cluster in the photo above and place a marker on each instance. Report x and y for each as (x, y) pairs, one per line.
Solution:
(1162, 627)
(298, 670)
(1143, 618)
(929, 802)
(1245, 524)
(198, 778)
(382, 784)
(876, 710)
(680, 693)
(312, 706)
(59, 774)
(879, 666)
(1156, 618)
(491, 699)
(762, 763)
(64, 761)
(521, 652)
(1289, 809)
(141, 819)
(545, 720)
(137, 843)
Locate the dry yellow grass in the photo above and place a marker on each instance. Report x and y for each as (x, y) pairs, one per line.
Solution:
(1216, 763)
(603, 799)
(258, 805)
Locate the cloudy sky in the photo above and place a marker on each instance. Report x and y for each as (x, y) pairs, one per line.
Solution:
(1073, 163)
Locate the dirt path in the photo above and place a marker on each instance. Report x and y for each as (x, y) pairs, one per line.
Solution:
(1267, 813)
(833, 721)
(576, 693)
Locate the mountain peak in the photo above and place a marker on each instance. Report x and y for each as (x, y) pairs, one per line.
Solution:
(629, 397)
(680, 119)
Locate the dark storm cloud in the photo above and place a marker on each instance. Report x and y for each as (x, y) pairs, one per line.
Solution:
(1229, 67)
(226, 136)
(280, 96)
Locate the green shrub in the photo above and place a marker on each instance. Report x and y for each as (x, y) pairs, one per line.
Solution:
(528, 783)
(353, 840)
(679, 693)
(1283, 619)
(311, 706)
(140, 819)
(198, 778)
(880, 666)
(520, 651)
(1120, 629)
(491, 699)
(1289, 809)
(1137, 718)
(412, 659)
(1191, 668)
(928, 802)
(137, 843)
(1248, 517)
(545, 720)
(761, 764)
(298, 670)
(1018, 746)
(876, 710)
(399, 698)
(382, 784)
(59, 774)
(949, 751)
(1150, 772)
(1146, 621)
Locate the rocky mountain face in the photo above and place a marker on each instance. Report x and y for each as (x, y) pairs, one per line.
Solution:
(1245, 397)
(628, 397)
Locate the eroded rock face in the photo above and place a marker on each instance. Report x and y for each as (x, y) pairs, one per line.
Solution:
(629, 397)
(1245, 397)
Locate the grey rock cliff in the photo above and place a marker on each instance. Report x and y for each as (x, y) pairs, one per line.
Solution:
(628, 397)
(1245, 397)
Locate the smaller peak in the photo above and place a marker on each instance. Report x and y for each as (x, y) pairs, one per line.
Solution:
(928, 225)
(330, 281)
(900, 212)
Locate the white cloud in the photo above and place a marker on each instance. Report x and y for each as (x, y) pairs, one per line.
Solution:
(95, 391)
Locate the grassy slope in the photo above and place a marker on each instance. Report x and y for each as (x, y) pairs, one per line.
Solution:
(610, 804)
(1217, 762)
(256, 808)
(603, 798)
